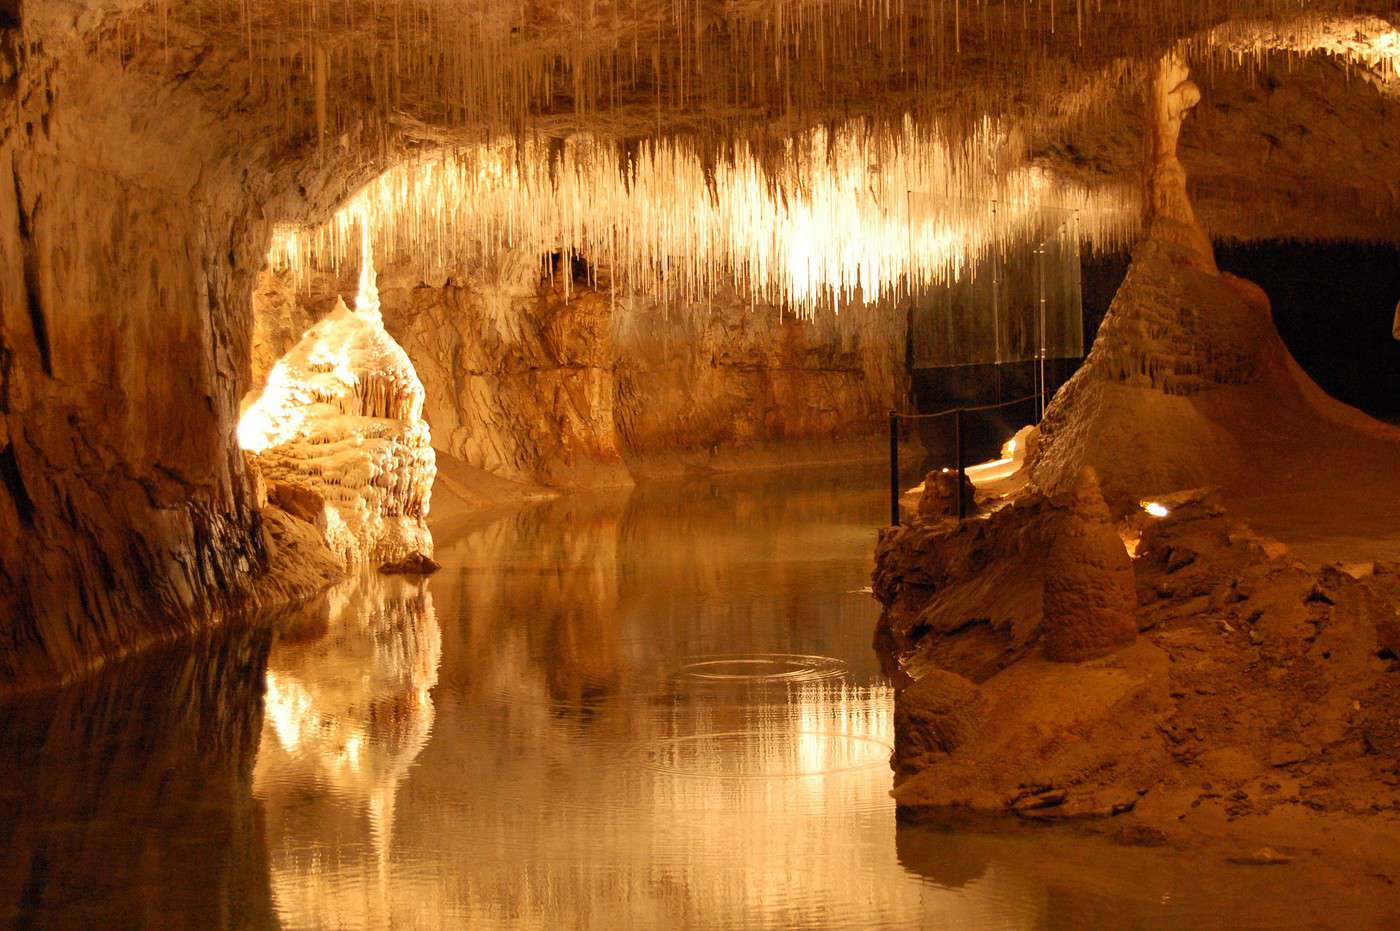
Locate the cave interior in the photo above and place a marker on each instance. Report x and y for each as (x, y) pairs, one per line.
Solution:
(303, 301)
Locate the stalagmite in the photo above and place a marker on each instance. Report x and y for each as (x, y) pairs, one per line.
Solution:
(1089, 601)
(340, 422)
(1169, 215)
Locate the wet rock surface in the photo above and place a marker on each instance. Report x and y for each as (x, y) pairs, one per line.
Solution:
(412, 564)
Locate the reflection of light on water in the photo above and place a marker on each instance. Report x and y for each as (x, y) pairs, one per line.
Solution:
(347, 714)
(287, 706)
(543, 806)
(819, 730)
(742, 668)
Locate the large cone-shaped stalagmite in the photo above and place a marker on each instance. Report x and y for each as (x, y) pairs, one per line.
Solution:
(1188, 383)
(1090, 604)
(341, 422)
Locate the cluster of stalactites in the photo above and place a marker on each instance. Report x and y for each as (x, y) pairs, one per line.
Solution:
(336, 66)
(1365, 42)
(840, 217)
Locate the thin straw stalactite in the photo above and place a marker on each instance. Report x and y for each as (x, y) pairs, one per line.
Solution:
(686, 144)
(843, 218)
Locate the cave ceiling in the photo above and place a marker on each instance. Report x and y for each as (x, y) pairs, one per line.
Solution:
(1298, 134)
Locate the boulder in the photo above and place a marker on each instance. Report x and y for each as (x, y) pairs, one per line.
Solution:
(412, 564)
(934, 716)
(1090, 601)
(299, 501)
(939, 498)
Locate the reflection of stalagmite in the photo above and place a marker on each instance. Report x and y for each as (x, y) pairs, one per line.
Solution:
(339, 434)
(348, 712)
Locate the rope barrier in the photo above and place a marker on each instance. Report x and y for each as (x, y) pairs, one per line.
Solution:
(957, 413)
(966, 410)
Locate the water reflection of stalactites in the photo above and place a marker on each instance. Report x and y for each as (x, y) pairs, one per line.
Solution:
(756, 558)
(539, 619)
(349, 710)
(96, 778)
(703, 801)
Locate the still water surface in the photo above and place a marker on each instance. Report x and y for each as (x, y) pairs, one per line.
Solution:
(646, 709)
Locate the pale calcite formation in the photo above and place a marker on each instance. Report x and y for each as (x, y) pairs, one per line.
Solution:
(342, 417)
(1171, 94)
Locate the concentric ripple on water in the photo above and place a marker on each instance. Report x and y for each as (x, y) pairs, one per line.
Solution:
(726, 668)
(757, 754)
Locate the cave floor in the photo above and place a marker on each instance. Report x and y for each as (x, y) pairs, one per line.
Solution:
(657, 708)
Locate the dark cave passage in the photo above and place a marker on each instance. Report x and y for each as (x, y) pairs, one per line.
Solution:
(1334, 305)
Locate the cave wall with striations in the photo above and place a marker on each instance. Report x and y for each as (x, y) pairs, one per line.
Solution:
(583, 389)
(124, 514)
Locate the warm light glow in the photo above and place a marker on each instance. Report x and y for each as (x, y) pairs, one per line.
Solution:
(326, 374)
(831, 223)
(1155, 509)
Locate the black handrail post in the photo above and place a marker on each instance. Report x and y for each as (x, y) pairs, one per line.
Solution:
(894, 469)
(958, 454)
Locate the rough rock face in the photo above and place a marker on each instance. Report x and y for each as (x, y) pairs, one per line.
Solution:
(1257, 687)
(940, 495)
(1089, 601)
(586, 389)
(967, 597)
(338, 432)
(124, 512)
(935, 715)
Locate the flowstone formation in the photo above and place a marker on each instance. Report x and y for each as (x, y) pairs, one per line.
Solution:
(338, 435)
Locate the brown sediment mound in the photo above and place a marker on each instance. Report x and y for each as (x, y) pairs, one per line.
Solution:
(937, 714)
(1260, 690)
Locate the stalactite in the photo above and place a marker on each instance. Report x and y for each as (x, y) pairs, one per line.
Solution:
(829, 223)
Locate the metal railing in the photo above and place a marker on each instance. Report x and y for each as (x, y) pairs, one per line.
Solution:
(957, 414)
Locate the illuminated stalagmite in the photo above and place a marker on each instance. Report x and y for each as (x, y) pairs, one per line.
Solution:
(339, 435)
(1142, 410)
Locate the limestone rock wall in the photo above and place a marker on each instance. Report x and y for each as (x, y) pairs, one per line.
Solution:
(583, 389)
(124, 513)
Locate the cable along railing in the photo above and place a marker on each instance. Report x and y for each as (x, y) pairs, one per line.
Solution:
(959, 459)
